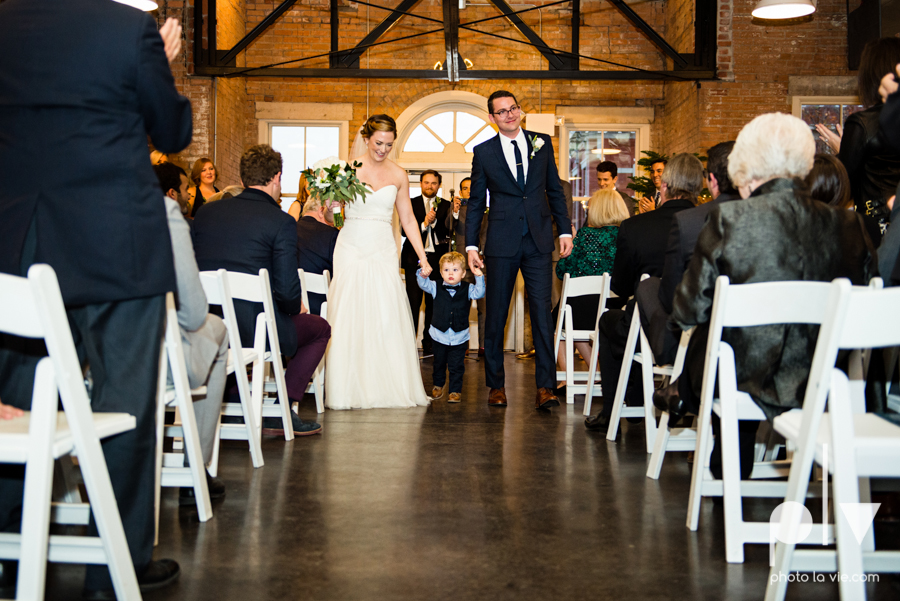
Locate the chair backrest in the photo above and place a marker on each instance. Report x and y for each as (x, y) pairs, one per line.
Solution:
(317, 283)
(584, 285)
(244, 286)
(762, 303)
(33, 307)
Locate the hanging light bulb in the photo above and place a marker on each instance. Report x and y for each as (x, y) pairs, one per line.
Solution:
(784, 9)
(146, 5)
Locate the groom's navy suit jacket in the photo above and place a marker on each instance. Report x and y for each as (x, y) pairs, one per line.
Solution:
(542, 199)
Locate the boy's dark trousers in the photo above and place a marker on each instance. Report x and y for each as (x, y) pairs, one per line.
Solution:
(452, 357)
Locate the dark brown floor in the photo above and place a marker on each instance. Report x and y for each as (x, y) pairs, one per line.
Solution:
(458, 502)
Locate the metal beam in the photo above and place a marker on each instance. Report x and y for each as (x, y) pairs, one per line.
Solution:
(351, 59)
(576, 30)
(650, 33)
(258, 30)
(451, 39)
(556, 62)
(335, 38)
(464, 75)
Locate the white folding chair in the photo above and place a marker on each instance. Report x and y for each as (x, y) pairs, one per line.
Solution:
(217, 287)
(847, 442)
(577, 381)
(670, 438)
(648, 370)
(317, 284)
(738, 306)
(170, 468)
(33, 308)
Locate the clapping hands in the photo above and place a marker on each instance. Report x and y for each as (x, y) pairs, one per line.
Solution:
(829, 137)
(171, 36)
(888, 85)
(430, 217)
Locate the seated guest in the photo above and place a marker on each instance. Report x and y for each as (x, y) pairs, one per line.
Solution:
(204, 175)
(592, 254)
(203, 336)
(640, 249)
(828, 182)
(250, 232)
(228, 192)
(316, 237)
(778, 233)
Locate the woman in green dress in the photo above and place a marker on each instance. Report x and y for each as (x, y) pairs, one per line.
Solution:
(593, 254)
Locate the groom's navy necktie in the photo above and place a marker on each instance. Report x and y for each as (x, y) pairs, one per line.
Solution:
(520, 168)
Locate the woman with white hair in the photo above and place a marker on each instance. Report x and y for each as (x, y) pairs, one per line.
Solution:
(778, 233)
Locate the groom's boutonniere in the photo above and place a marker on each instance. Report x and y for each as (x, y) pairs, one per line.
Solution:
(536, 144)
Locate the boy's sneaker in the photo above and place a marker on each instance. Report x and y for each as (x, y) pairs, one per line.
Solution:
(437, 392)
(454, 397)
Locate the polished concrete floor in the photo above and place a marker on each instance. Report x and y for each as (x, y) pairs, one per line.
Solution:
(458, 502)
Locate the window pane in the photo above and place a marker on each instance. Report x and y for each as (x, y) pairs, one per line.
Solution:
(415, 189)
(289, 141)
(849, 109)
(466, 126)
(442, 125)
(421, 140)
(485, 134)
(321, 143)
(626, 143)
(826, 114)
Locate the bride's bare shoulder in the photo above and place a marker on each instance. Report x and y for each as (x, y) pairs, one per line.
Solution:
(398, 173)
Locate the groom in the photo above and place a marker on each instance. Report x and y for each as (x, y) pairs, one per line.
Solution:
(518, 169)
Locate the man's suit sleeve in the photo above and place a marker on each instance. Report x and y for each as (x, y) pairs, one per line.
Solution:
(622, 281)
(477, 202)
(673, 268)
(285, 281)
(166, 113)
(555, 194)
(694, 295)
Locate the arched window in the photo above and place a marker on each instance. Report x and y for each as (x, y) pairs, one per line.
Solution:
(449, 132)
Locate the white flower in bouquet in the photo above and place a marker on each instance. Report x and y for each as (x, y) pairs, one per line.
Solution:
(333, 180)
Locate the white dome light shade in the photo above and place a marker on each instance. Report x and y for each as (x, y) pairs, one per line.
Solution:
(783, 9)
(146, 5)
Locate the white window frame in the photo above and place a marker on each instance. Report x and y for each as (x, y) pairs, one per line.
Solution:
(643, 140)
(798, 101)
(265, 133)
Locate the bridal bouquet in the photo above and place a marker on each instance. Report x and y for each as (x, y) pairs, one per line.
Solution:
(333, 183)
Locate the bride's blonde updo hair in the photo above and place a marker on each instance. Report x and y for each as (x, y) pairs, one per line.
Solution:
(379, 123)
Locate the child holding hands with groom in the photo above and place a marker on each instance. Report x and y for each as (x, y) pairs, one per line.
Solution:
(449, 328)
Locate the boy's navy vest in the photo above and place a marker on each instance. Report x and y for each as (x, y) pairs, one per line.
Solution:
(451, 312)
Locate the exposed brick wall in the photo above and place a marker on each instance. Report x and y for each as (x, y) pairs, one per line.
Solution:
(755, 61)
(765, 55)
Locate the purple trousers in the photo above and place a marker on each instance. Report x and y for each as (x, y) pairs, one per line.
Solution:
(313, 334)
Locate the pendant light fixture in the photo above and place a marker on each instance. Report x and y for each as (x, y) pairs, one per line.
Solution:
(146, 5)
(784, 9)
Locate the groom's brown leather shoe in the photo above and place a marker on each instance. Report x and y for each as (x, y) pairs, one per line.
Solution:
(545, 399)
(497, 397)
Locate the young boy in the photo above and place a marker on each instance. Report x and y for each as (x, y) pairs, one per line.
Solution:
(449, 327)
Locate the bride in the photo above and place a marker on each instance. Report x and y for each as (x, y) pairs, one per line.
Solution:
(372, 358)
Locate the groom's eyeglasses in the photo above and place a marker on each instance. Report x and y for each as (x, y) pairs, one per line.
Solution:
(503, 113)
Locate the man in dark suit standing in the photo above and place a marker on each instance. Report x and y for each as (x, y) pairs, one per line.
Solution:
(460, 210)
(434, 217)
(518, 169)
(250, 232)
(82, 85)
(640, 249)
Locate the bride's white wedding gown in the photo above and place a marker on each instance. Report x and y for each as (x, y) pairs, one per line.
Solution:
(372, 358)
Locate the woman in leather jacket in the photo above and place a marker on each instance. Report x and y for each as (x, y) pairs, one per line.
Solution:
(872, 163)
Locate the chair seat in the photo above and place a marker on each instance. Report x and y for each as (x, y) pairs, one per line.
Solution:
(170, 393)
(14, 434)
(747, 409)
(580, 335)
(876, 440)
(249, 357)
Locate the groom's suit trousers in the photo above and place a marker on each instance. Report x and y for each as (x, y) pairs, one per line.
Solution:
(536, 271)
